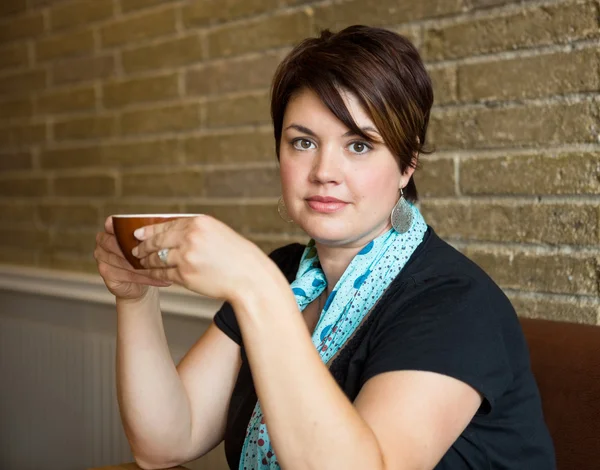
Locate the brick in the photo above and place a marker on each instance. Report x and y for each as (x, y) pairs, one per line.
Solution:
(16, 108)
(550, 124)
(16, 161)
(233, 75)
(37, 3)
(575, 224)
(95, 127)
(248, 109)
(81, 12)
(25, 238)
(28, 186)
(573, 311)
(22, 134)
(274, 31)
(131, 30)
(188, 183)
(120, 207)
(444, 85)
(85, 186)
(17, 213)
(436, 178)
(262, 182)
(537, 26)
(73, 241)
(122, 93)
(68, 261)
(21, 26)
(165, 119)
(413, 33)
(555, 273)
(129, 5)
(231, 148)
(531, 77)
(478, 4)
(8, 7)
(203, 12)
(172, 53)
(66, 100)
(22, 257)
(67, 44)
(68, 215)
(247, 219)
(124, 155)
(384, 12)
(540, 174)
(23, 82)
(83, 69)
(14, 55)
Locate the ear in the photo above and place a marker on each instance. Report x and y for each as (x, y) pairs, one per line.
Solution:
(408, 172)
(406, 176)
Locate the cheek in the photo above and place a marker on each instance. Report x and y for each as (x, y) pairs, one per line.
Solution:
(288, 176)
(381, 186)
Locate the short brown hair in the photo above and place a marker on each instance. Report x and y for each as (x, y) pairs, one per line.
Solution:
(383, 69)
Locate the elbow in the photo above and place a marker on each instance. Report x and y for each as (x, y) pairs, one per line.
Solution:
(156, 460)
(149, 463)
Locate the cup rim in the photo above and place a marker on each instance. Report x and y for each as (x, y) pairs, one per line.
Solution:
(146, 216)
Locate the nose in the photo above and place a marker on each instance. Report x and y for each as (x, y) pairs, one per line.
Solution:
(327, 166)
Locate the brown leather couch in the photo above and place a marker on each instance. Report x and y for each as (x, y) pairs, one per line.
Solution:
(565, 358)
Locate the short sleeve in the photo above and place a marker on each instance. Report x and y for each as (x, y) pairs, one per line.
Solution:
(447, 326)
(227, 323)
(287, 258)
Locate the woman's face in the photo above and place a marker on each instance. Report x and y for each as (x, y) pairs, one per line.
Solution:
(320, 158)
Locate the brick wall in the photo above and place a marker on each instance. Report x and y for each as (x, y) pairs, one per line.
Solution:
(155, 106)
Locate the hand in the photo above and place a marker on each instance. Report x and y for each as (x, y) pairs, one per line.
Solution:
(121, 279)
(205, 256)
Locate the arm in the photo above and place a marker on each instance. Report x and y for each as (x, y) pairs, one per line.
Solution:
(311, 422)
(171, 415)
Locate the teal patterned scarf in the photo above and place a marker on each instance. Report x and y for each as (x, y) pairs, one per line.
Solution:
(360, 287)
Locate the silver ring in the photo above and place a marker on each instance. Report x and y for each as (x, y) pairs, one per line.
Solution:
(163, 255)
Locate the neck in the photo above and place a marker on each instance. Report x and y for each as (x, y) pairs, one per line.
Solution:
(335, 259)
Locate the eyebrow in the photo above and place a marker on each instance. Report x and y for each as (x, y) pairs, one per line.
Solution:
(306, 130)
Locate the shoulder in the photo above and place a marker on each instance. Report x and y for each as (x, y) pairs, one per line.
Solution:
(287, 259)
(442, 285)
(440, 269)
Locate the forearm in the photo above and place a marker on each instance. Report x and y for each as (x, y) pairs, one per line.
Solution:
(310, 421)
(153, 403)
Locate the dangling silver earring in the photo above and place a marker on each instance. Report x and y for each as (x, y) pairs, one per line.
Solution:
(402, 216)
(282, 210)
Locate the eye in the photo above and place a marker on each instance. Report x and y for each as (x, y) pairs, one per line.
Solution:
(303, 144)
(359, 148)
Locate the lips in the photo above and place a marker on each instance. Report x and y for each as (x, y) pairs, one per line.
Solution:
(325, 199)
(325, 204)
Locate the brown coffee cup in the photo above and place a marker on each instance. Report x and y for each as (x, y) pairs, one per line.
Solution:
(125, 224)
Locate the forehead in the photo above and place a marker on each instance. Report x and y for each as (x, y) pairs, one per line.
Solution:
(306, 104)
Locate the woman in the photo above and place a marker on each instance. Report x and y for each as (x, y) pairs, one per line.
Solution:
(389, 350)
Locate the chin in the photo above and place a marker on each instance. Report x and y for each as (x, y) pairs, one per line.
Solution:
(332, 232)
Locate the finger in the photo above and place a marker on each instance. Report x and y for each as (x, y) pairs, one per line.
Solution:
(153, 260)
(124, 275)
(148, 231)
(108, 225)
(112, 259)
(167, 239)
(118, 261)
(109, 243)
(165, 274)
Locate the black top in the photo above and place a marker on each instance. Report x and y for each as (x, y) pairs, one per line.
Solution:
(443, 314)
